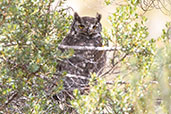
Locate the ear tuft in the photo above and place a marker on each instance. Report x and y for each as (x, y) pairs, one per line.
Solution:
(98, 17)
(77, 17)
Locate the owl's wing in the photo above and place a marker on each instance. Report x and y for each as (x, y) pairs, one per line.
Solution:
(68, 40)
(67, 65)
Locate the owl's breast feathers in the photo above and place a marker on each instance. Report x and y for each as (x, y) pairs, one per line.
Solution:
(84, 62)
(83, 40)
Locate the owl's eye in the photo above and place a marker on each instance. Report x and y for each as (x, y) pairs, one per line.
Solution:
(94, 27)
(81, 26)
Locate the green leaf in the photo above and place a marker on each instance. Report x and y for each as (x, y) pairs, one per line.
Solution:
(34, 67)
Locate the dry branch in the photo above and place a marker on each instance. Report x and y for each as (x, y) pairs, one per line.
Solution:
(77, 76)
(11, 98)
(114, 65)
(89, 48)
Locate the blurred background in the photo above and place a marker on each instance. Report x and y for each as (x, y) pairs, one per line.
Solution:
(156, 17)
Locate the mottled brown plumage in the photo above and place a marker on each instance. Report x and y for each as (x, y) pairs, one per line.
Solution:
(85, 31)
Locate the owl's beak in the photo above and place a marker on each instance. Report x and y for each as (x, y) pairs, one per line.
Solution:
(90, 31)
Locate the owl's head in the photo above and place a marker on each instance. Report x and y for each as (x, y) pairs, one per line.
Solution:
(86, 25)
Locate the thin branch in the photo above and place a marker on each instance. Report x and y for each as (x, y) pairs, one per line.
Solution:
(5, 15)
(121, 59)
(114, 65)
(45, 78)
(112, 82)
(11, 98)
(3, 19)
(77, 76)
(67, 9)
(89, 48)
(67, 75)
(86, 78)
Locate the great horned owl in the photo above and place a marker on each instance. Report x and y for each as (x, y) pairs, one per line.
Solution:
(85, 31)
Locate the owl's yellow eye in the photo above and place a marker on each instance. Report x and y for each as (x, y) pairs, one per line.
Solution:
(81, 26)
(94, 27)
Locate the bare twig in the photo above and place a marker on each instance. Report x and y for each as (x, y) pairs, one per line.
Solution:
(89, 48)
(5, 14)
(77, 76)
(11, 98)
(68, 8)
(112, 82)
(45, 78)
(114, 65)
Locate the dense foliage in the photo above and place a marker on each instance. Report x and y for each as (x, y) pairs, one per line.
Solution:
(29, 35)
(30, 32)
